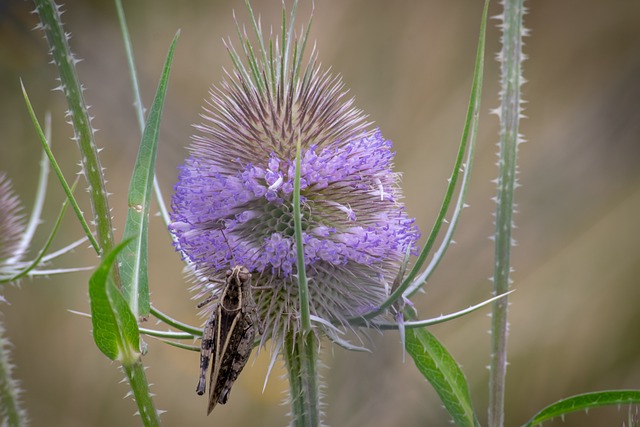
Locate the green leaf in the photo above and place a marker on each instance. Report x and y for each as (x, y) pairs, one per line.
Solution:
(139, 107)
(65, 186)
(584, 402)
(131, 64)
(133, 259)
(413, 282)
(444, 374)
(115, 330)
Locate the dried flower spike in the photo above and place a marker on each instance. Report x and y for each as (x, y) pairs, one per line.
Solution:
(11, 228)
(233, 200)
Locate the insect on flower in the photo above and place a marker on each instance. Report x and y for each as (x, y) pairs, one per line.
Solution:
(227, 338)
(233, 204)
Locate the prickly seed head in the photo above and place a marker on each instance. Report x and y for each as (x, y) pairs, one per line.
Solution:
(11, 223)
(233, 199)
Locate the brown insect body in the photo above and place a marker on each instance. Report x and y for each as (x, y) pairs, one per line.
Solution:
(228, 336)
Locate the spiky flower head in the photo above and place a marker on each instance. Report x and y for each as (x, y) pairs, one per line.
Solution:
(11, 228)
(233, 203)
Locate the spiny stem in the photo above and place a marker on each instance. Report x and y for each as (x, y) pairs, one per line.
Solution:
(79, 117)
(511, 78)
(140, 388)
(301, 359)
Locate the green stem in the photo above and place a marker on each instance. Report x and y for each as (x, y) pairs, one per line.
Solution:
(301, 359)
(139, 107)
(196, 332)
(54, 231)
(140, 387)
(511, 79)
(36, 211)
(44, 140)
(79, 116)
(84, 136)
(303, 288)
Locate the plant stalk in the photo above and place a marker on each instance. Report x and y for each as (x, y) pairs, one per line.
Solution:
(510, 59)
(78, 113)
(301, 359)
(140, 388)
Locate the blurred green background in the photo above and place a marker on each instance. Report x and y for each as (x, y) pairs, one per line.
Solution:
(574, 318)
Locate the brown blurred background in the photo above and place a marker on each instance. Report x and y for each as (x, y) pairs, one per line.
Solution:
(574, 317)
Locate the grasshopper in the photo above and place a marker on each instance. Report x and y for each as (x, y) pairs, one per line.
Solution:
(228, 335)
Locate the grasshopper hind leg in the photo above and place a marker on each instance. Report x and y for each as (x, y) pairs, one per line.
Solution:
(206, 348)
(243, 351)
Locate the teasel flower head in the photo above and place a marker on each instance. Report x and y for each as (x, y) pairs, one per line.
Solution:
(12, 227)
(233, 202)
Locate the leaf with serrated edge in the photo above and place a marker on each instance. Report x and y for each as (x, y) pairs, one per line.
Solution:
(583, 402)
(444, 374)
(115, 330)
